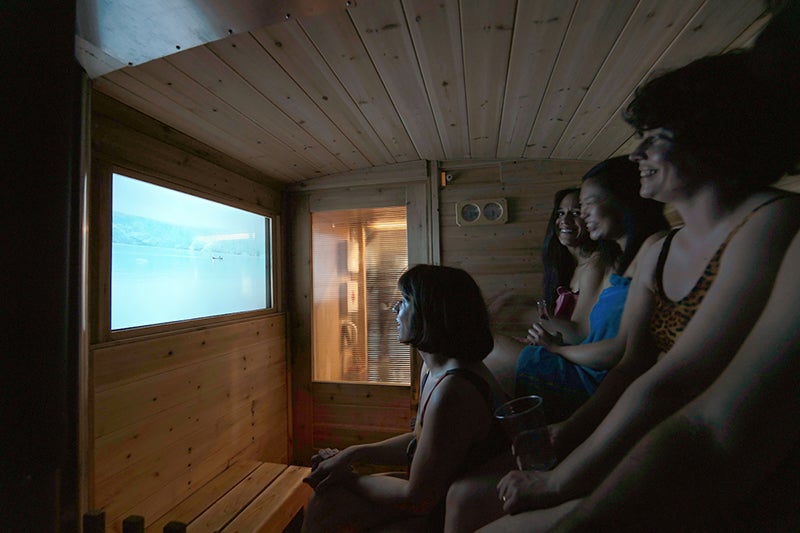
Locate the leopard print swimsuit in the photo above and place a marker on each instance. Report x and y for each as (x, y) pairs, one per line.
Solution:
(670, 318)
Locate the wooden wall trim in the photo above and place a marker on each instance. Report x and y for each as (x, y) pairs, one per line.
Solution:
(126, 137)
(369, 177)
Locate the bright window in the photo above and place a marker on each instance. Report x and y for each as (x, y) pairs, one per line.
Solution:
(176, 257)
(358, 256)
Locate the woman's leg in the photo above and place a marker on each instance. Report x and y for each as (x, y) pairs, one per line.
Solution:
(339, 510)
(552, 377)
(472, 499)
(532, 521)
(502, 362)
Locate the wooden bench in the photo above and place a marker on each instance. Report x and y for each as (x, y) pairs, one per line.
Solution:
(248, 497)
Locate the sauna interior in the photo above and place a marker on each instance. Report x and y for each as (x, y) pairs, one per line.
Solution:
(362, 136)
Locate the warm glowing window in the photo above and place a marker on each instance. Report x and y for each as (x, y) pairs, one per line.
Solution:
(176, 257)
(358, 255)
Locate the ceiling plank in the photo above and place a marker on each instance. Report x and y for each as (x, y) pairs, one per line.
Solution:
(436, 32)
(123, 87)
(538, 33)
(713, 28)
(383, 30)
(592, 33)
(112, 34)
(652, 22)
(289, 47)
(174, 84)
(334, 36)
(205, 69)
(487, 29)
(248, 59)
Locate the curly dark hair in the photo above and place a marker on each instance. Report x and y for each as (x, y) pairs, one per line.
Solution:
(641, 217)
(728, 126)
(559, 264)
(448, 313)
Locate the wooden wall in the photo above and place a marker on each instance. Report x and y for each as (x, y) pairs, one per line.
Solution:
(170, 407)
(172, 411)
(347, 414)
(504, 256)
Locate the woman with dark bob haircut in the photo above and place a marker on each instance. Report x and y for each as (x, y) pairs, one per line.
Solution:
(715, 135)
(448, 315)
(443, 316)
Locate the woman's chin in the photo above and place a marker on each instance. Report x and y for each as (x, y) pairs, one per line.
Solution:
(569, 241)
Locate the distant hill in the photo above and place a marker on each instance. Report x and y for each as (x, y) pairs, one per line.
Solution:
(141, 231)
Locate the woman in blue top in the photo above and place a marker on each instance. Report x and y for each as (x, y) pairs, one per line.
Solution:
(566, 375)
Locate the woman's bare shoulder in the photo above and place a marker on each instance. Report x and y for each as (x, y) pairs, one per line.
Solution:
(646, 258)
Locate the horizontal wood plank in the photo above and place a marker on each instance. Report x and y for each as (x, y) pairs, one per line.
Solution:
(360, 393)
(275, 507)
(199, 501)
(239, 497)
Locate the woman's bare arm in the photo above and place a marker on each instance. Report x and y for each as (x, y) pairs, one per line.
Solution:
(569, 434)
(455, 418)
(591, 283)
(676, 471)
(605, 354)
(722, 322)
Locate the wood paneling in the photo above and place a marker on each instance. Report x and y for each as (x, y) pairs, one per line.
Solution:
(708, 29)
(173, 406)
(487, 30)
(347, 413)
(504, 256)
(125, 137)
(172, 411)
(382, 28)
(361, 84)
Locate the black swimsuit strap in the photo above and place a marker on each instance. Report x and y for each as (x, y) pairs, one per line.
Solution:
(662, 258)
(477, 381)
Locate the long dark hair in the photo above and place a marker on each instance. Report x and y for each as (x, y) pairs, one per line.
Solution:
(559, 264)
(448, 313)
(641, 217)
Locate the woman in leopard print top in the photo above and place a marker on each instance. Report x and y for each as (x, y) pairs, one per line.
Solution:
(715, 135)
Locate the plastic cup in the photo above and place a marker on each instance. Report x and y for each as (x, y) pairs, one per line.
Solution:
(524, 421)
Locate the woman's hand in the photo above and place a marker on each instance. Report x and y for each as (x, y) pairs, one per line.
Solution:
(525, 491)
(329, 466)
(538, 336)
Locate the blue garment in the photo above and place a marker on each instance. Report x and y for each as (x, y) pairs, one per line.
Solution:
(564, 385)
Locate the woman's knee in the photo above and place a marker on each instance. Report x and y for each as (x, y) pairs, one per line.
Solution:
(471, 502)
(460, 494)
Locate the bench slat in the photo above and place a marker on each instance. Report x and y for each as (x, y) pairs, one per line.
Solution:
(275, 507)
(226, 508)
(212, 491)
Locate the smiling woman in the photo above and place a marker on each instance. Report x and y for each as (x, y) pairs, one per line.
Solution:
(616, 216)
(716, 134)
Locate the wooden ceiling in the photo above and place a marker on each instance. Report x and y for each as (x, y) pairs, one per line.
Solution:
(331, 87)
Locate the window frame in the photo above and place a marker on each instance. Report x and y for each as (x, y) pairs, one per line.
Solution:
(100, 238)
